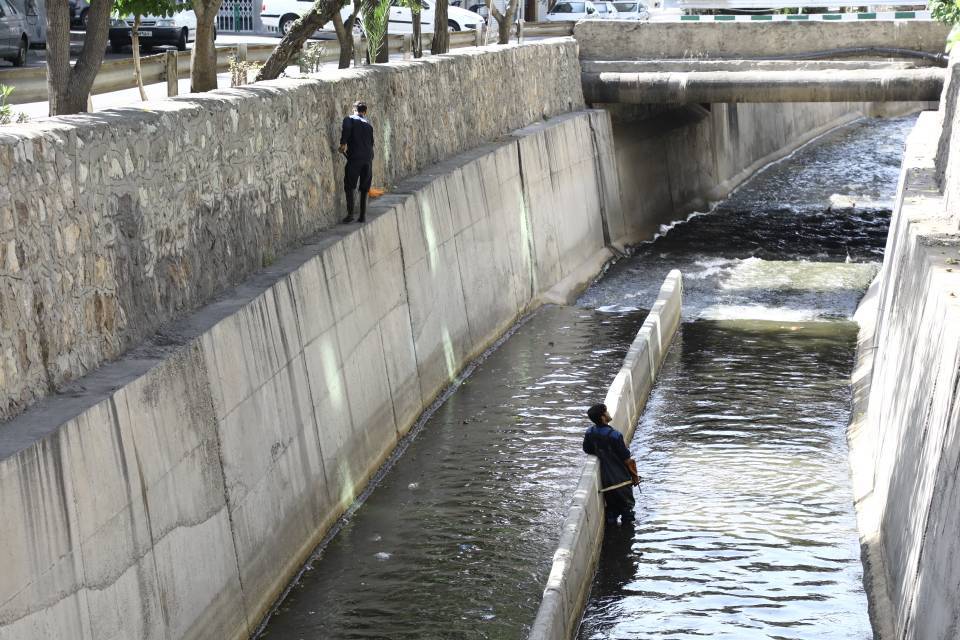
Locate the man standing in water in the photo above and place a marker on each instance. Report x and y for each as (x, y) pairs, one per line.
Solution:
(356, 143)
(616, 465)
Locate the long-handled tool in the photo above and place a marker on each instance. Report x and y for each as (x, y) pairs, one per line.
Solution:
(616, 486)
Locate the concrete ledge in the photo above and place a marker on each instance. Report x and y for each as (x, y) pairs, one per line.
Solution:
(687, 87)
(575, 560)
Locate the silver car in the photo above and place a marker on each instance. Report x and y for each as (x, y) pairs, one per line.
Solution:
(14, 40)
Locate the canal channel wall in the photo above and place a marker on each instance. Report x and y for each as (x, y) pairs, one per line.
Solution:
(200, 371)
(905, 432)
(175, 493)
(575, 560)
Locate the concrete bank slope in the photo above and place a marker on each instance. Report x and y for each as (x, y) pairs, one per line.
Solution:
(676, 161)
(116, 222)
(575, 560)
(905, 431)
(174, 493)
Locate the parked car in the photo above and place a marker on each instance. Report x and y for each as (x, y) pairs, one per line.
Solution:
(79, 11)
(606, 10)
(14, 40)
(631, 10)
(573, 10)
(280, 15)
(177, 30)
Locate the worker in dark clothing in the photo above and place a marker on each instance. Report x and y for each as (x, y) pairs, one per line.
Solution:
(356, 143)
(616, 464)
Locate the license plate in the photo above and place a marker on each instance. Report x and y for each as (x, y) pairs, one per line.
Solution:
(143, 34)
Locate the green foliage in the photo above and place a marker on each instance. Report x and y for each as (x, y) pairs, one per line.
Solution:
(948, 12)
(375, 20)
(241, 70)
(415, 6)
(6, 111)
(953, 39)
(159, 8)
(311, 58)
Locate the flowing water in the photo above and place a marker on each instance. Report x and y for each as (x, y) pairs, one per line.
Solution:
(457, 539)
(745, 527)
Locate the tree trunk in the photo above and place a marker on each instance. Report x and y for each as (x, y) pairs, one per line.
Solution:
(504, 20)
(383, 55)
(69, 87)
(137, 73)
(417, 35)
(344, 37)
(320, 13)
(203, 62)
(441, 29)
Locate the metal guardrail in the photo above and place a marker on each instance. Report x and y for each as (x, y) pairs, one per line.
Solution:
(30, 85)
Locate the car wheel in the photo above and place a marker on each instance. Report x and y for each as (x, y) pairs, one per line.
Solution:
(182, 40)
(453, 26)
(286, 22)
(21, 58)
(116, 46)
(84, 17)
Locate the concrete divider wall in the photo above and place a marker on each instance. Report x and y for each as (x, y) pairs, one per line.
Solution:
(632, 40)
(174, 494)
(115, 222)
(575, 560)
(905, 432)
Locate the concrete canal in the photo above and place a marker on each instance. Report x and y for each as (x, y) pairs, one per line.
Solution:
(745, 525)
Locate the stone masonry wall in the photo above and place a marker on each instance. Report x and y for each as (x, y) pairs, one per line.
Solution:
(113, 223)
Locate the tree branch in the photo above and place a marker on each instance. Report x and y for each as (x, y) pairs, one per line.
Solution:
(320, 13)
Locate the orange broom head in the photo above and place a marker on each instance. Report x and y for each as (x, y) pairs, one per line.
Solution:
(376, 192)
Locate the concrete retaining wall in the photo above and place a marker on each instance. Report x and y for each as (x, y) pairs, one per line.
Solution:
(627, 40)
(673, 162)
(575, 560)
(905, 432)
(114, 223)
(176, 491)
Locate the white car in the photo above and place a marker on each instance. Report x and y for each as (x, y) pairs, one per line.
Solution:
(631, 10)
(606, 10)
(574, 10)
(280, 15)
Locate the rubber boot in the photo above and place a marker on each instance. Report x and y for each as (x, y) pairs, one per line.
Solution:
(349, 217)
(363, 207)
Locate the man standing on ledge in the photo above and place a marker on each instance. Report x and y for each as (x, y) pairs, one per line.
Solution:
(356, 143)
(616, 465)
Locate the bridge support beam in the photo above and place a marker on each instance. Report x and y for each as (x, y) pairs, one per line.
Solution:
(862, 85)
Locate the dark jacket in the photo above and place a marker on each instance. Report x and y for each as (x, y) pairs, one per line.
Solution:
(607, 444)
(357, 134)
